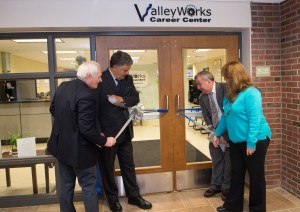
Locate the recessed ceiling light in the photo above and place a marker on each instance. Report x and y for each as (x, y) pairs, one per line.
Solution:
(202, 50)
(196, 56)
(35, 40)
(62, 52)
(72, 59)
(133, 50)
(135, 59)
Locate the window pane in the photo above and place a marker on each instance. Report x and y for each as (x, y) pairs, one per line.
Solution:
(197, 60)
(145, 78)
(23, 57)
(71, 52)
(24, 90)
(60, 80)
(43, 89)
(24, 106)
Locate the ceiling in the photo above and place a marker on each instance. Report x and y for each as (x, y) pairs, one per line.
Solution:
(81, 46)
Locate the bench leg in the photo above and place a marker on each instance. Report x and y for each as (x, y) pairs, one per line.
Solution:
(34, 179)
(47, 176)
(8, 180)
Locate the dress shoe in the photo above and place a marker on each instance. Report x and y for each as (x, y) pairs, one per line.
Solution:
(211, 192)
(115, 205)
(223, 197)
(224, 194)
(140, 202)
(222, 209)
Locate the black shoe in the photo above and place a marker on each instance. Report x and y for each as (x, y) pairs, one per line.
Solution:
(223, 197)
(211, 192)
(140, 202)
(224, 194)
(222, 209)
(115, 205)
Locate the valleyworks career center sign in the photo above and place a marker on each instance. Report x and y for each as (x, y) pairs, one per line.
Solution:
(188, 13)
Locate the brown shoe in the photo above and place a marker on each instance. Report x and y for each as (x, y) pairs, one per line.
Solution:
(211, 192)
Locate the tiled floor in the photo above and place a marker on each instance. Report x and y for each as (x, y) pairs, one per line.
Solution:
(185, 201)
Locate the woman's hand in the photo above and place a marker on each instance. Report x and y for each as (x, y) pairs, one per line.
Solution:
(250, 151)
(215, 141)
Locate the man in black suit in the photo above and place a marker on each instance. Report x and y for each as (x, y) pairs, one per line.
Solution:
(75, 134)
(211, 102)
(116, 93)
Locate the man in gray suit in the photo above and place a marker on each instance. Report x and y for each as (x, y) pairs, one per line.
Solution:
(211, 102)
(75, 134)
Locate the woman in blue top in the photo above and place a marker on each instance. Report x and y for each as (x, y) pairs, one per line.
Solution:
(249, 135)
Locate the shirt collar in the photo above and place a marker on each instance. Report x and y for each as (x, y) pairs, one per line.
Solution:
(112, 75)
(115, 79)
(213, 91)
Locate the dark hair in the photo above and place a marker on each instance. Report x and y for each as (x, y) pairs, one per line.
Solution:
(120, 58)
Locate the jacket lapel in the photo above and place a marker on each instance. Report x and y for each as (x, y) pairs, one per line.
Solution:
(219, 97)
(110, 80)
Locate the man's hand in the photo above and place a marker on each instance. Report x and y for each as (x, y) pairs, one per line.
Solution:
(119, 99)
(215, 141)
(110, 142)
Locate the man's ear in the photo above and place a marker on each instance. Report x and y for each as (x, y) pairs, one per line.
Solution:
(88, 75)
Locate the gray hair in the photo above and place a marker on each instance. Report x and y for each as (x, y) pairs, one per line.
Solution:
(90, 67)
(205, 75)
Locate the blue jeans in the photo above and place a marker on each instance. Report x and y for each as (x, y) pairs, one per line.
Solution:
(87, 181)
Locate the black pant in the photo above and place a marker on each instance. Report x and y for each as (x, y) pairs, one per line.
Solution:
(254, 164)
(107, 156)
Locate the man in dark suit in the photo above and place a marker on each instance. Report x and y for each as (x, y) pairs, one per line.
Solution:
(116, 93)
(75, 134)
(211, 102)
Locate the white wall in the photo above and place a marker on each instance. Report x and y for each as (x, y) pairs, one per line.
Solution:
(64, 15)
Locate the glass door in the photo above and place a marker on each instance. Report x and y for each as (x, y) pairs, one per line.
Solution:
(153, 136)
(189, 55)
(168, 149)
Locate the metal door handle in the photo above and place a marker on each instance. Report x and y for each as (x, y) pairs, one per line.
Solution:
(167, 102)
(178, 105)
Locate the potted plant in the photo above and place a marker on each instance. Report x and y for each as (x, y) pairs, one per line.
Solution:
(13, 142)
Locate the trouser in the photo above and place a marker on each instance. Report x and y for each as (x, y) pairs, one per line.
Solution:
(240, 162)
(87, 181)
(106, 161)
(221, 167)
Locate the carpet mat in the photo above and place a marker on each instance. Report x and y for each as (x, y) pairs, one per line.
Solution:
(147, 153)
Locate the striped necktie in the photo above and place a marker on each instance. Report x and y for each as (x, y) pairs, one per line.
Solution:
(214, 111)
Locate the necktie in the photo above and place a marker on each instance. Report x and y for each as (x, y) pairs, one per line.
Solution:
(118, 86)
(214, 111)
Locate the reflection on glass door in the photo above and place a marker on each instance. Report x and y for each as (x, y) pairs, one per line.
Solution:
(196, 60)
(147, 132)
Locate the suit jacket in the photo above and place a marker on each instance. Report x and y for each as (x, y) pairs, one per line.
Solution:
(221, 89)
(112, 118)
(74, 131)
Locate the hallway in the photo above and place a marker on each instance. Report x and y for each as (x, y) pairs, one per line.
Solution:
(185, 201)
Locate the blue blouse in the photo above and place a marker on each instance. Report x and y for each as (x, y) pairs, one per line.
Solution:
(244, 118)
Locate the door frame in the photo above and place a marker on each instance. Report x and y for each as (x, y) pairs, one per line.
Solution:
(169, 47)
